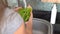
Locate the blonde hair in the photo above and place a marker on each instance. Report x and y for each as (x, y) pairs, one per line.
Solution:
(3, 5)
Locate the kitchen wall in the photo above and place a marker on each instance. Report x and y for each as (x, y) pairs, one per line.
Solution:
(12, 3)
(36, 4)
(58, 7)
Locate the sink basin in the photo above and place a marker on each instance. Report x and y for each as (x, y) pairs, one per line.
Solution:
(41, 26)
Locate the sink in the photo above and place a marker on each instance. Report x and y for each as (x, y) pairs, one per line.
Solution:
(41, 26)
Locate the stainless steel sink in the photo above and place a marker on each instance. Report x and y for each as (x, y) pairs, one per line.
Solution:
(41, 26)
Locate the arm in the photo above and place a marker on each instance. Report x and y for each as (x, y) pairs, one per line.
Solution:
(14, 24)
(20, 30)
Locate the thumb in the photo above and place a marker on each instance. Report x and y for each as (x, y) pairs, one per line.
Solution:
(16, 9)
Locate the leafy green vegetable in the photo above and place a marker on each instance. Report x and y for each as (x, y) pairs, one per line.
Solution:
(25, 13)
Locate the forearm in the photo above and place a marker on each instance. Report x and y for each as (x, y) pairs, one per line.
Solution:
(20, 30)
(29, 28)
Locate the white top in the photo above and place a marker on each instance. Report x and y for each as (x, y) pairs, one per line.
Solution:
(12, 21)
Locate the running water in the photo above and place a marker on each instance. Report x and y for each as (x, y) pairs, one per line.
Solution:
(25, 3)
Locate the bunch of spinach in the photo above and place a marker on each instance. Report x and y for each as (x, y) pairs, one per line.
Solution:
(25, 13)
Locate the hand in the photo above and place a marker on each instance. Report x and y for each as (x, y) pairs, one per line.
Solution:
(31, 15)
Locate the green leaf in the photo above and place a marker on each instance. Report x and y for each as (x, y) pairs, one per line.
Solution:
(25, 13)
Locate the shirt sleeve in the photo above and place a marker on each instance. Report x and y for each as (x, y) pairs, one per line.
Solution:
(13, 22)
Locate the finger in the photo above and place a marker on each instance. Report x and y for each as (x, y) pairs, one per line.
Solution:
(31, 17)
(29, 6)
(16, 9)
